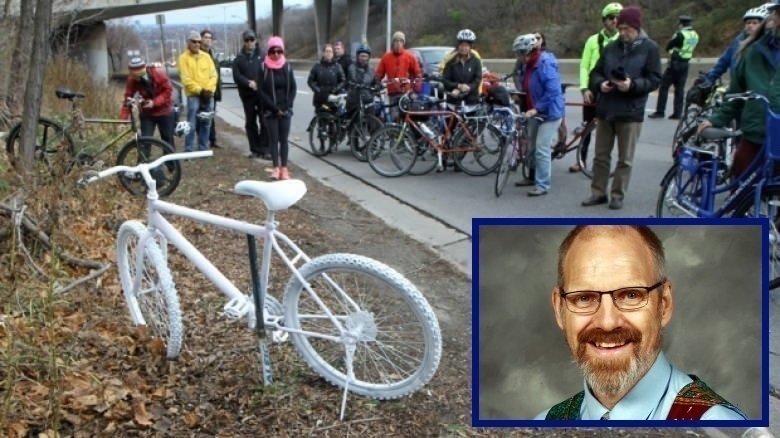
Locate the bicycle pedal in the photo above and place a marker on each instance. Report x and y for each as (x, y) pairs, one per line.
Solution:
(237, 308)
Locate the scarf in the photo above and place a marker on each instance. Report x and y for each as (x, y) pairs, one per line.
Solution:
(530, 66)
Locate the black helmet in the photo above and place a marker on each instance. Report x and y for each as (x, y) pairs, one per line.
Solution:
(363, 49)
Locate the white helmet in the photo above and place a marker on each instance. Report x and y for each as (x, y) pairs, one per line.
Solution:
(466, 35)
(758, 13)
(525, 43)
(182, 129)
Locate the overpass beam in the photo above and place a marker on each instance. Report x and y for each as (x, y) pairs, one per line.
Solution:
(358, 23)
(323, 10)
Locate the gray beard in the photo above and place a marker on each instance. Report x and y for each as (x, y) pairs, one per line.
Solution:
(613, 378)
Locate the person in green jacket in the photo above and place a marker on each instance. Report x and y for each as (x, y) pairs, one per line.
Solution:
(590, 55)
(757, 66)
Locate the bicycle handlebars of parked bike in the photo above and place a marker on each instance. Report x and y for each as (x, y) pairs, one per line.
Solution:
(142, 168)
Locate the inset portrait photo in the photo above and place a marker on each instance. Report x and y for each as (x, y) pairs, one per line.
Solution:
(641, 322)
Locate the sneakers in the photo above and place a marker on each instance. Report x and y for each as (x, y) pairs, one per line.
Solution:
(656, 115)
(275, 173)
(537, 192)
(284, 173)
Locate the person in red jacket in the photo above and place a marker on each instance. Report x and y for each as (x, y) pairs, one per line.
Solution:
(398, 63)
(155, 88)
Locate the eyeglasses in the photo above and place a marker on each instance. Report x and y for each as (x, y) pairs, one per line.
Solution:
(275, 52)
(625, 298)
(611, 17)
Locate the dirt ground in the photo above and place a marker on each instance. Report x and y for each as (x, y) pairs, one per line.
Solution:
(108, 378)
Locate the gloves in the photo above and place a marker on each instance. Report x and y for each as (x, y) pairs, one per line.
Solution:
(206, 94)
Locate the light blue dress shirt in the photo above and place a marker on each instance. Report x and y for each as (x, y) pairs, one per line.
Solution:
(650, 399)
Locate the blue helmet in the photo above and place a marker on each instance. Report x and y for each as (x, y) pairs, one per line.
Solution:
(363, 49)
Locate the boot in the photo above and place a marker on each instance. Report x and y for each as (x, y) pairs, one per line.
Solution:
(275, 173)
(284, 173)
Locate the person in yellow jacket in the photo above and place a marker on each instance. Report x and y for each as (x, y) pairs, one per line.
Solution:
(199, 78)
(680, 49)
(590, 55)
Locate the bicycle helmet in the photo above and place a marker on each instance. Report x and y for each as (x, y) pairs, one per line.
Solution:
(757, 13)
(525, 43)
(466, 35)
(182, 129)
(136, 63)
(363, 49)
(611, 9)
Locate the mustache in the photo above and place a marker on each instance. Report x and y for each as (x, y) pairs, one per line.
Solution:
(618, 336)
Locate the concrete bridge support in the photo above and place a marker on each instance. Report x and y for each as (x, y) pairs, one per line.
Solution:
(357, 22)
(323, 10)
(92, 49)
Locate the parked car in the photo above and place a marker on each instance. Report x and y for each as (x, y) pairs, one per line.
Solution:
(430, 57)
(226, 73)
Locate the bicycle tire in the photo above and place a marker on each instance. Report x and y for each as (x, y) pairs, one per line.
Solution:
(320, 141)
(50, 137)
(770, 197)
(686, 128)
(145, 150)
(580, 145)
(427, 159)
(487, 155)
(391, 151)
(388, 362)
(156, 304)
(360, 133)
(677, 179)
(504, 168)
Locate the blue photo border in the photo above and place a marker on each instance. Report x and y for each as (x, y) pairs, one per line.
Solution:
(476, 223)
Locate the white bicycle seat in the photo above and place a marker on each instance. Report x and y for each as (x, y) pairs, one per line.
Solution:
(277, 195)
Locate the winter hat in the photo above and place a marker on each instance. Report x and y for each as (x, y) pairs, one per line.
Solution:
(193, 36)
(398, 35)
(275, 41)
(136, 63)
(631, 16)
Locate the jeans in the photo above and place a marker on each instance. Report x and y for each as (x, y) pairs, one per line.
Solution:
(165, 124)
(546, 137)
(203, 129)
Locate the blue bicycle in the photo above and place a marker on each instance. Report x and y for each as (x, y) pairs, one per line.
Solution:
(698, 183)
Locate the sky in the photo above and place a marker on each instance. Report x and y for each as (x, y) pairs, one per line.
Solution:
(225, 13)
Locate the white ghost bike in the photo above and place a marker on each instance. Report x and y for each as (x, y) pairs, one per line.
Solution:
(357, 322)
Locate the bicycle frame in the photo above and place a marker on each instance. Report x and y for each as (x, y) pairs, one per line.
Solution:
(159, 226)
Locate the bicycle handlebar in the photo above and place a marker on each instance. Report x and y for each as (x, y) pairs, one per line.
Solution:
(142, 168)
(747, 95)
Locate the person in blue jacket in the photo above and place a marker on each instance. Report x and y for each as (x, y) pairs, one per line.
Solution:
(538, 76)
(728, 60)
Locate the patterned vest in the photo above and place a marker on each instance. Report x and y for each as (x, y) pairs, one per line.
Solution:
(692, 401)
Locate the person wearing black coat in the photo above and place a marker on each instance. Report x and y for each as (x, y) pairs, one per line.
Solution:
(325, 78)
(246, 68)
(341, 57)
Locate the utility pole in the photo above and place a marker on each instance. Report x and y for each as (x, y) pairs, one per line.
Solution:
(160, 18)
(388, 42)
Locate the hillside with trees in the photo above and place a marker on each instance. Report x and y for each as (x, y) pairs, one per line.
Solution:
(566, 23)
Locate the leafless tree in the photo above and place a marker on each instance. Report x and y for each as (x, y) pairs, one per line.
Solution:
(34, 88)
(121, 36)
(20, 59)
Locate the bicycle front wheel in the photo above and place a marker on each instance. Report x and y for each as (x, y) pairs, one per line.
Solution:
(588, 172)
(145, 150)
(153, 303)
(486, 153)
(50, 138)
(769, 208)
(392, 327)
(391, 151)
(504, 168)
(679, 187)
(321, 132)
(360, 133)
(685, 129)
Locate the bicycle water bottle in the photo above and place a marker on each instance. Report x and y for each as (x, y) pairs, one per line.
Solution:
(427, 131)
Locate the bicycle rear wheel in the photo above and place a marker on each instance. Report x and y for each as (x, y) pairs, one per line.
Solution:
(396, 334)
(769, 208)
(154, 303)
(676, 185)
(145, 150)
(50, 138)
(321, 133)
(360, 133)
(589, 132)
(486, 154)
(391, 151)
(427, 158)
